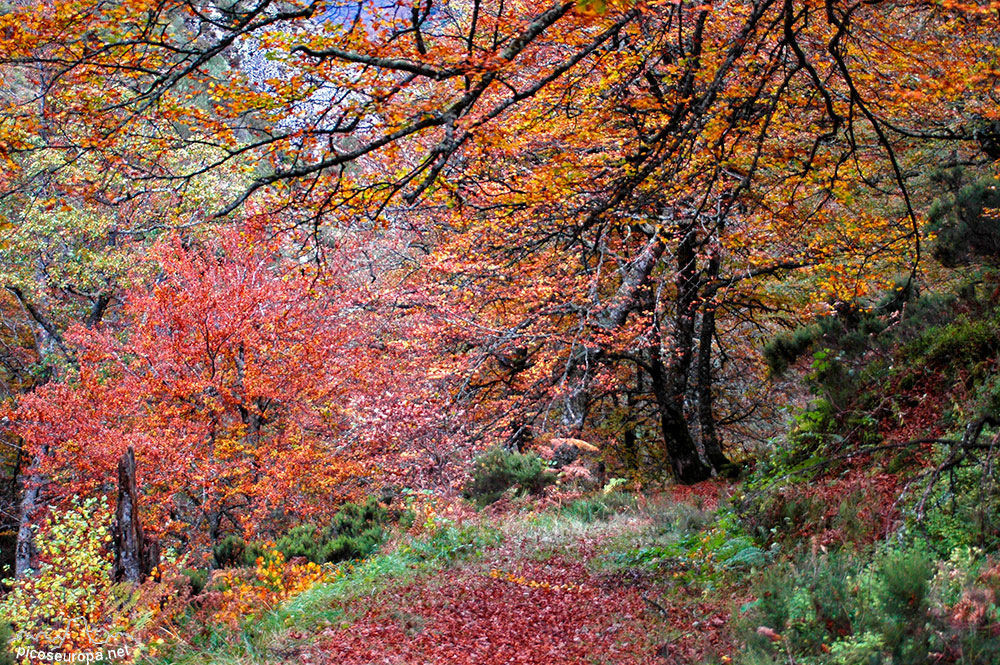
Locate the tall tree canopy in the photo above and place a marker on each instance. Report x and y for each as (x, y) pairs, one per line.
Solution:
(580, 208)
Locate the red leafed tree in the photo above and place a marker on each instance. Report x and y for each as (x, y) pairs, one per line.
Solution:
(245, 381)
(592, 182)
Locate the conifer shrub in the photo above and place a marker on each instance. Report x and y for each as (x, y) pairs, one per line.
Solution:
(498, 470)
(229, 551)
(197, 579)
(805, 603)
(901, 606)
(354, 532)
(786, 347)
(966, 223)
(963, 342)
(304, 540)
(357, 546)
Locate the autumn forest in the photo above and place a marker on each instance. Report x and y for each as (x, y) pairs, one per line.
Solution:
(500, 331)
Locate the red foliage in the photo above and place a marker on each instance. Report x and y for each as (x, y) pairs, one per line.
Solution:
(873, 500)
(705, 494)
(553, 612)
(922, 405)
(252, 387)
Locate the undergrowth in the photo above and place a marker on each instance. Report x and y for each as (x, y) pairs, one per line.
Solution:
(355, 531)
(264, 638)
(901, 606)
(6, 657)
(498, 470)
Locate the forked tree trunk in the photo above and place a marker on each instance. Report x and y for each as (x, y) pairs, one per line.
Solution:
(681, 450)
(670, 380)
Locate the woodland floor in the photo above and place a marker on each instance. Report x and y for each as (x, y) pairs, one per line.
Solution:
(552, 589)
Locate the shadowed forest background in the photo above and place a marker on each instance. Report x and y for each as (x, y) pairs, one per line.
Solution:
(500, 331)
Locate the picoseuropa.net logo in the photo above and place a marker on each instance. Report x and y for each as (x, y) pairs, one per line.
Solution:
(107, 647)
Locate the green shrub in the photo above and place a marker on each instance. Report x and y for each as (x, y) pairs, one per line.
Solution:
(304, 540)
(848, 400)
(806, 603)
(963, 342)
(498, 470)
(812, 429)
(197, 579)
(903, 579)
(357, 546)
(234, 552)
(254, 551)
(354, 532)
(353, 518)
(902, 292)
(853, 520)
(6, 657)
(928, 310)
(965, 232)
(842, 609)
(740, 553)
(229, 551)
(786, 347)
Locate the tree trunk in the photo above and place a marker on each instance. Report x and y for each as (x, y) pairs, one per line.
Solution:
(630, 452)
(24, 549)
(682, 453)
(710, 440)
(686, 307)
(135, 555)
(670, 381)
(48, 344)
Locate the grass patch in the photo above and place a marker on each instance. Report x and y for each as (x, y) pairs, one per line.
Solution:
(600, 507)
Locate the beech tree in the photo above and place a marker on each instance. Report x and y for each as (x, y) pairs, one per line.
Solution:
(577, 189)
(245, 383)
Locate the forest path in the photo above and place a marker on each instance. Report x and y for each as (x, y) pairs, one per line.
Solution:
(553, 591)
